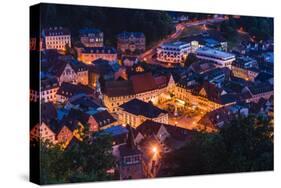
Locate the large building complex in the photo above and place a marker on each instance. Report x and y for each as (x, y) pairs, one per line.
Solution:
(130, 42)
(174, 53)
(91, 37)
(222, 59)
(145, 87)
(90, 54)
(57, 38)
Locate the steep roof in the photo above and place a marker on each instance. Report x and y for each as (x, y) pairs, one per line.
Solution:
(138, 107)
(69, 90)
(143, 82)
(150, 128)
(104, 118)
(118, 88)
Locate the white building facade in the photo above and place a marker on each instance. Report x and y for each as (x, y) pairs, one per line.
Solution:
(174, 53)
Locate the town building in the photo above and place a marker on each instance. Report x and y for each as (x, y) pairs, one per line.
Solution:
(130, 159)
(70, 71)
(42, 132)
(48, 90)
(104, 119)
(90, 54)
(174, 52)
(130, 42)
(91, 37)
(118, 133)
(68, 90)
(45, 131)
(136, 112)
(255, 92)
(56, 38)
(221, 58)
(142, 86)
(245, 68)
(169, 136)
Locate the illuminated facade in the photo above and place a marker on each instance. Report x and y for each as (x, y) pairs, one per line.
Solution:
(175, 52)
(88, 55)
(221, 58)
(133, 42)
(91, 37)
(42, 132)
(135, 112)
(57, 38)
(118, 93)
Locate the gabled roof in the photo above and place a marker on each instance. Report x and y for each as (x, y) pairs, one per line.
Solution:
(99, 50)
(56, 31)
(118, 88)
(126, 35)
(116, 130)
(69, 90)
(138, 107)
(104, 118)
(143, 82)
(58, 67)
(86, 31)
(149, 128)
(260, 88)
(48, 112)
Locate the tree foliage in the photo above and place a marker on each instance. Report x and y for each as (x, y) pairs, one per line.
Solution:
(245, 144)
(81, 162)
(154, 24)
(261, 28)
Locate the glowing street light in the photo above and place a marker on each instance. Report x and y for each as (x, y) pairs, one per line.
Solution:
(154, 150)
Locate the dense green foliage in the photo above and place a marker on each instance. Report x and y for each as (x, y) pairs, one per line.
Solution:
(245, 144)
(261, 28)
(81, 162)
(154, 24)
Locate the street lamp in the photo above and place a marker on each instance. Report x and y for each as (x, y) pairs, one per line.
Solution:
(154, 150)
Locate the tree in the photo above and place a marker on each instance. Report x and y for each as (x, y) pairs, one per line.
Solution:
(83, 161)
(245, 144)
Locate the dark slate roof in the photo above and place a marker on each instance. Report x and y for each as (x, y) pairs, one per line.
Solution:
(101, 66)
(127, 150)
(58, 67)
(49, 83)
(100, 50)
(104, 118)
(78, 115)
(48, 112)
(116, 130)
(138, 107)
(150, 128)
(260, 88)
(263, 77)
(69, 90)
(214, 117)
(126, 35)
(86, 31)
(56, 31)
(86, 102)
(70, 123)
(202, 66)
(228, 98)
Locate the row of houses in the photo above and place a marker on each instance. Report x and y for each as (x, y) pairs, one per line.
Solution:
(91, 45)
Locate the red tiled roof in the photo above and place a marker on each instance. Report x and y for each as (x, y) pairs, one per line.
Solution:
(143, 82)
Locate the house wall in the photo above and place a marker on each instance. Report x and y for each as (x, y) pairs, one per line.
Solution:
(57, 42)
(42, 132)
